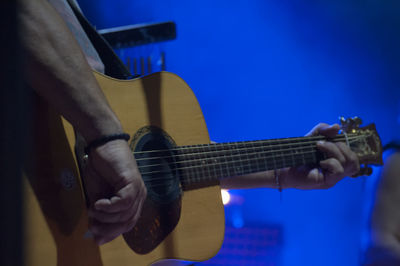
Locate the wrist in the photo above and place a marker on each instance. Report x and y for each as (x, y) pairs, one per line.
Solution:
(281, 179)
(105, 139)
(99, 126)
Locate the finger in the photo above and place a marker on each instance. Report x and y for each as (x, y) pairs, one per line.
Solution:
(330, 131)
(352, 163)
(333, 169)
(123, 200)
(105, 232)
(122, 216)
(106, 217)
(325, 130)
(331, 150)
(315, 177)
(305, 178)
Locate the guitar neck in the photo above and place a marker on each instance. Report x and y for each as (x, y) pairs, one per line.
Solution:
(204, 164)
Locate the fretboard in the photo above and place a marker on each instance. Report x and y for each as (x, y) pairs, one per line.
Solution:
(209, 163)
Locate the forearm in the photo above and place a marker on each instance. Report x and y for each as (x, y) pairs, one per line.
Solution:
(58, 71)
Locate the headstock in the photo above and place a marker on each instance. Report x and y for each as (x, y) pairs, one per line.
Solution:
(364, 141)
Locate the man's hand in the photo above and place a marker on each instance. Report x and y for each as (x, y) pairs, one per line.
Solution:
(340, 162)
(115, 190)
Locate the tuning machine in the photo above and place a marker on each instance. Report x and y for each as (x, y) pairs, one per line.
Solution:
(350, 124)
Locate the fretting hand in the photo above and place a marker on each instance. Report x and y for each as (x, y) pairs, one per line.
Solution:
(340, 162)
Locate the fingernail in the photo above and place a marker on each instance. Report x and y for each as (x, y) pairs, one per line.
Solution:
(321, 142)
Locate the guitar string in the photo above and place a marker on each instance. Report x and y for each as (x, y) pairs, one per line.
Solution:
(193, 177)
(233, 157)
(229, 162)
(227, 165)
(293, 140)
(189, 178)
(278, 160)
(300, 140)
(313, 150)
(222, 151)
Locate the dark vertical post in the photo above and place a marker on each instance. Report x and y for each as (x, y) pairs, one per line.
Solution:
(13, 132)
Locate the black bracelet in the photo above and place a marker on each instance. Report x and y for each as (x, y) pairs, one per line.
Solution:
(103, 140)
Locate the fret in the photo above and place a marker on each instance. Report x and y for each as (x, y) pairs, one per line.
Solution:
(292, 150)
(205, 162)
(226, 159)
(217, 162)
(289, 160)
(239, 158)
(314, 157)
(262, 156)
(220, 161)
(273, 156)
(185, 166)
(193, 165)
(199, 166)
(303, 154)
(232, 164)
(192, 170)
(230, 160)
(256, 155)
(204, 155)
(282, 152)
(295, 153)
(248, 160)
(213, 161)
(280, 156)
(244, 158)
(238, 166)
(309, 154)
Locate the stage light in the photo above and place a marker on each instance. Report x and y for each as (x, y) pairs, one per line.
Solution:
(226, 197)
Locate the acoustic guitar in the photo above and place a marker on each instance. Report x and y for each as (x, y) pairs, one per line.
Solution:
(183, 216)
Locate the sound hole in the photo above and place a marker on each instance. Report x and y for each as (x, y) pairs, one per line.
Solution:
(156, 161)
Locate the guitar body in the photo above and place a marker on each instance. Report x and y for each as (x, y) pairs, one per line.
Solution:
(56, 218)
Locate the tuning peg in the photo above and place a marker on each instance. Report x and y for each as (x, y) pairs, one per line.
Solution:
(356, 121)
(364, 171)
(350, 124)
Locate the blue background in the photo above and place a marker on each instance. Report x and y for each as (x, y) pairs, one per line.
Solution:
(268, 69)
